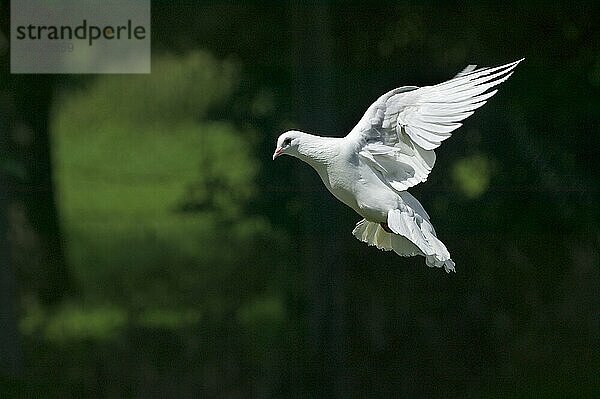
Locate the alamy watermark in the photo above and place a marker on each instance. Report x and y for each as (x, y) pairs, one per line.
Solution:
(80, 36)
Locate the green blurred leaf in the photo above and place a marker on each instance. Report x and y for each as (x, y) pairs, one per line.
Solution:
(472, 175)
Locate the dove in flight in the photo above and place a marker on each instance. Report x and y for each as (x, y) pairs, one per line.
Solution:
(391, 150)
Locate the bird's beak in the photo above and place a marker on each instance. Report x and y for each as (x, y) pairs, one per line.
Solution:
(277, 152)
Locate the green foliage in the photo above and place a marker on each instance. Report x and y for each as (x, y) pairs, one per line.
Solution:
(130, 151)
(472, 175)
(155, 194)
(261, 313)
(155, 201)
(74, 322)
(171, 319)
(179, 90)
(226, 183)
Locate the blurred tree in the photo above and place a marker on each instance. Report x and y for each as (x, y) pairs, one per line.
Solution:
(11, 361)
(30, 242)
(156, 200)
(34, 230)
(10, 345)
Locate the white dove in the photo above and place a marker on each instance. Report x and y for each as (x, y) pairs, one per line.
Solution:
(391, 150)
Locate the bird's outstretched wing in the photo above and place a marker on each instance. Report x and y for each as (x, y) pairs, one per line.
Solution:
(398, 133)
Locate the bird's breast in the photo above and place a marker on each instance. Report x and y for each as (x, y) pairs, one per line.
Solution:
(341, 185)
(357, 187)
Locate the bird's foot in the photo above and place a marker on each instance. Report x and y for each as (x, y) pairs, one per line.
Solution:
(386, 228)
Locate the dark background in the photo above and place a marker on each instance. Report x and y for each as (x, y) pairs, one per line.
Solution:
(151, 248)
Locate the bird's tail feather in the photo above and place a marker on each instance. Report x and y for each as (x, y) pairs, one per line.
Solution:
(417, 228)
(373, 234)
(422, 240)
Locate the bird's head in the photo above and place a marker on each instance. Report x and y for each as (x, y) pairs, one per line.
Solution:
(288, 143)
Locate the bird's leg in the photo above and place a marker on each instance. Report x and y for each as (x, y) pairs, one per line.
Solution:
(385, 227)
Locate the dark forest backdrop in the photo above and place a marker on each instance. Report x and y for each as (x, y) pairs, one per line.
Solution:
(149, 247)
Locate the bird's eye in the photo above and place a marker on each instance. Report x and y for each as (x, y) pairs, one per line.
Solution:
(287, 142)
